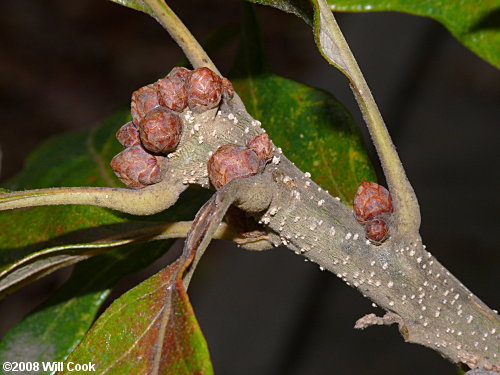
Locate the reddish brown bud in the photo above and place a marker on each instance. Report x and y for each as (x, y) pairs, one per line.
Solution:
(231, 162)
(136, 168)
(128, 135)
(179, 73)
(371, 200)
(160, 130)
(171, 89)
(377, 231)
(262, 146)
(143, 101)
(227, 89)
(204, 89)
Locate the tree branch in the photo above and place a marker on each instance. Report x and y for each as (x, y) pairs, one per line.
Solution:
(430, 305)
(210, 216)
(180, 33)
(433, 307)
(335, 49)
(147, 201)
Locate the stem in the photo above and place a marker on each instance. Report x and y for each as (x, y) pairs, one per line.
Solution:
(147, 201)
(430, 305)
(337, 51)
(252, 192)
(180, 33)
(46, 261)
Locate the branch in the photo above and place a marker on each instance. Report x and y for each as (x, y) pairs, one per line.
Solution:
(147, 201)
(210, 216)
(335, 49)
(180, 33)
(430, 305)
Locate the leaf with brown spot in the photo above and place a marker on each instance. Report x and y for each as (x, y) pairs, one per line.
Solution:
(150, 329)
(163, 337)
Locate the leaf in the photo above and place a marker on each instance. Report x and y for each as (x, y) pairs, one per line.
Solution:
(52, 331)
(43, 262)
(301, 8)
(164, 336)
(314, 130)
(474, 23)
(135, 4)
(69, 160)
(117, 344)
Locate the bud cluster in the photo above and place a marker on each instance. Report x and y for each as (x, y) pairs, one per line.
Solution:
(372, 208)
(231, 162)
(156, 127)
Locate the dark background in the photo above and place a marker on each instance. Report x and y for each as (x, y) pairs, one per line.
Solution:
(66, 65)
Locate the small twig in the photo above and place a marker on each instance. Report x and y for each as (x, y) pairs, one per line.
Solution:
(242, 194)
(37, 264)
(336, 50)
(147, 201)
(180, 33)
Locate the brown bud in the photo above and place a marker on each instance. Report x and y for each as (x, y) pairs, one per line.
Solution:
(136, 168)
(231, 162)
(128, 135)
(227, 89)
(179, 73)
(262, 146)
(160, 130)
(171, 89)
(143, 101)
(377, 231)
(371, 200)
(204, 89)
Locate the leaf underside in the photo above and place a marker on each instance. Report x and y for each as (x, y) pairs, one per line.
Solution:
(475, 23)
(163, 337)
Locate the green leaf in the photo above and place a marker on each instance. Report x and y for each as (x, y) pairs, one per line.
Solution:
(474, 23)
(55, 328)
(76, 159)
(301, 8)
(163, 337)
(68, 160)
(96, 240)
(135, 4)
(314, 130)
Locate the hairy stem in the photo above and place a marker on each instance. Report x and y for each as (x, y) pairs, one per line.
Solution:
(335, 49)
(180, 33)
(430, 305)
(253, 192)
(147, 201)
(43, 262)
